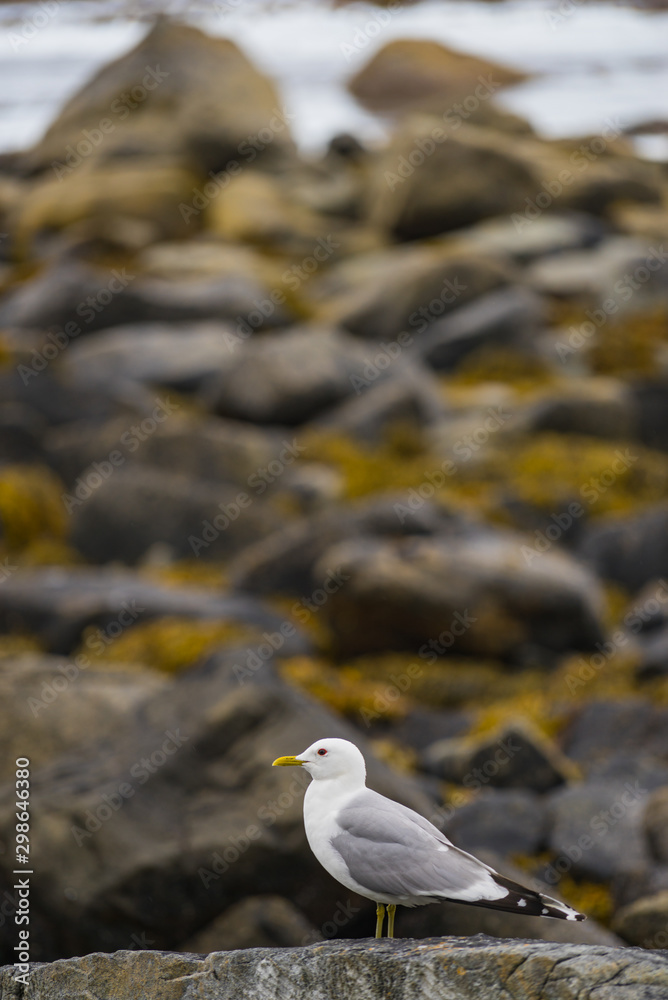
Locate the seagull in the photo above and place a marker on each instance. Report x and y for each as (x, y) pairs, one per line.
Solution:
(388, 852)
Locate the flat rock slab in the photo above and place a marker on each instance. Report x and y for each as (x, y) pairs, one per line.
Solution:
(403, 969)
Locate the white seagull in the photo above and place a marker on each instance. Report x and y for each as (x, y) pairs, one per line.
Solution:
(389, 853)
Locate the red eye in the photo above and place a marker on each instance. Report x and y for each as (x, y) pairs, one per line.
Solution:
(321, 752)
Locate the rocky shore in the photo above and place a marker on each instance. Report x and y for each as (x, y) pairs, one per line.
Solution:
(370, 446)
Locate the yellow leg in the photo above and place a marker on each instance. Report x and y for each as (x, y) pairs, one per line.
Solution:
(391, 910)
(380, 918)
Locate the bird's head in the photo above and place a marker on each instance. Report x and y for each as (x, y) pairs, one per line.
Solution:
(330, 758)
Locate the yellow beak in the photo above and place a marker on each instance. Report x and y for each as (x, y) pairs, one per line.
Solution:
(287, 762)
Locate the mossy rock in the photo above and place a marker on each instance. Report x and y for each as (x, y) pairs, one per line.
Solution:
(30, 506)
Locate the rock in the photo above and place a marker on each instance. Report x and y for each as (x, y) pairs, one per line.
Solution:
(313, 486)
(57, 605)
(595, 830)
(218, 451)
(632, 550)
(76, 299)
(51, 401)
(200, 100)
(203, 821)
(446, 968)
(644, 922)
(138, 506)
(654, 655)
(656, 824)
(650, 399)
(548, 234)
(20, 431)
(596, 273)
(637, 882)
(287, 378)
(383, 294)
(506, 822)
(510, 316)
(414, 203)
(416, 73)
(517, 757)
(474, 595)
(150, 354)
(408, 398)
(597, 407)
(286, 560)
(256, 922)
(422, 726)
(117, 202)
(34, 715)
(606, 734)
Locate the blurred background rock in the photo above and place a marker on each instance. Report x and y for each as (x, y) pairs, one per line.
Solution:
(339, 418)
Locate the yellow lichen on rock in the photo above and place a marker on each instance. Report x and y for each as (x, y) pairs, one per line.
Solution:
(30, 506)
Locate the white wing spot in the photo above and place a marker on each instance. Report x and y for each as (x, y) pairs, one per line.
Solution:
(571, 916)
(521, 902)
(544, 912)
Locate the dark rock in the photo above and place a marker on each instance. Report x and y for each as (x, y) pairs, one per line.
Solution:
(217, 451)
(514, 758)
(601, 408)
(256, 922)
(421, 205)
(631, 550)
(139, 506)
(20, 432)
(654, 655)
(79, 299)
(44, 698)
(53, 401)
(644, 922)
(383, 294)
(501, 318)
(506, 822)
(474, 594)
(451, 968)
(204, 823)
(56, 605)
(412, 399)
(175, 355)
(605, 730)
(596, 830)
(636, 882)
(286, 560)
(287, 378)
(656, 824)
(651, 403)
(422, 726)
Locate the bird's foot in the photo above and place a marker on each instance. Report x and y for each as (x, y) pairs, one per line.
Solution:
(380, 919)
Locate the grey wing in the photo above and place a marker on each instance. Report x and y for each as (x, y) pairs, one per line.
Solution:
(390, 849)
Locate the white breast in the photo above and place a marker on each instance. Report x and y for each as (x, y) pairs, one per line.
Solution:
(321, 806)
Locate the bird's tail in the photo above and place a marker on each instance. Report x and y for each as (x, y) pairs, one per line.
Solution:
(519, 899)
